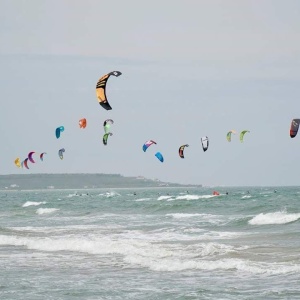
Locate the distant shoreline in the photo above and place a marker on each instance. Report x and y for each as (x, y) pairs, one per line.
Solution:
(95, 189)
(84, 181)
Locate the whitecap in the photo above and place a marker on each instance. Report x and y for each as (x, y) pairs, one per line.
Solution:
(72, 195)
(33, 203)
(142, 199)
(274, 218)
(42, 211)
(183, 215)
(164, 197)
(194, 197)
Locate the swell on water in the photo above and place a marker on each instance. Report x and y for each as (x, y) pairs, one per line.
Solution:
(279, 217)
(156, 257)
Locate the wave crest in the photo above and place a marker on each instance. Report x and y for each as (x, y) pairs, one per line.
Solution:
(274, 218)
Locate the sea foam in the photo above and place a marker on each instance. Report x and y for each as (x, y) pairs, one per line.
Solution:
(42, 211)
(32, 203)
(274, 218)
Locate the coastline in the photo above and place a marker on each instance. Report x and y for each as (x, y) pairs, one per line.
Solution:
(84, 181)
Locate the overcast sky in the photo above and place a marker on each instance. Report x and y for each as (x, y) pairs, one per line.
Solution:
(189, 69)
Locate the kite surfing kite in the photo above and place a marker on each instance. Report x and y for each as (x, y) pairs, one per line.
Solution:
(294, 127)
(159, 156)
(58, 130)
(228, 136)
(42, 156)
(82, 123)
(181, 149)
(148, 144)
(105, 137)
(242, 135)
(24, 162)
(107, 124)
(61, 153)
(101, 89)
(30, 154)
(205, 143)
(18, 162)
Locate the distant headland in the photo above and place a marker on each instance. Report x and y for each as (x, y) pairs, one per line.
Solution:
(79, 181)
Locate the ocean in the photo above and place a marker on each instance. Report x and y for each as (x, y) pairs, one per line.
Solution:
(150, 243)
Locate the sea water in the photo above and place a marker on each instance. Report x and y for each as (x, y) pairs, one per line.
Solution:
(150, 243)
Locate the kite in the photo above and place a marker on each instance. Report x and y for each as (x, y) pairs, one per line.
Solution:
(181, 149)
(25, 163)
(82, 123)
(30, 156)
(61, 153)
(107, 124)
(159, 156)
(205, 143)
(17, 162)
(42, 156)
(148, 144)
(101, 89)
(105, 137)
(228, 136)
(242, 135)
(294, 127)
(58, 130)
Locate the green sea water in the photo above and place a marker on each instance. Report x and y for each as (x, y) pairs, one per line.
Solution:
(150, 243)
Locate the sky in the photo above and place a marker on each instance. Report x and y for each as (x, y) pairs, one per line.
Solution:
(189, 69)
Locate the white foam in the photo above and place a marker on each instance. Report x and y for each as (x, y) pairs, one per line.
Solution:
(194, 230)
(110, 194)
(182, 215)
(102, 245)
(32, 203)
(246, 196)
(175, 265)
(194, 197)
(42, 211)
(212, 235)
(142, 199)
(67, 229)
(117, 245)
(274, 218)
(155, 256)
(164, 197)
(186, 197)
(72, 195)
